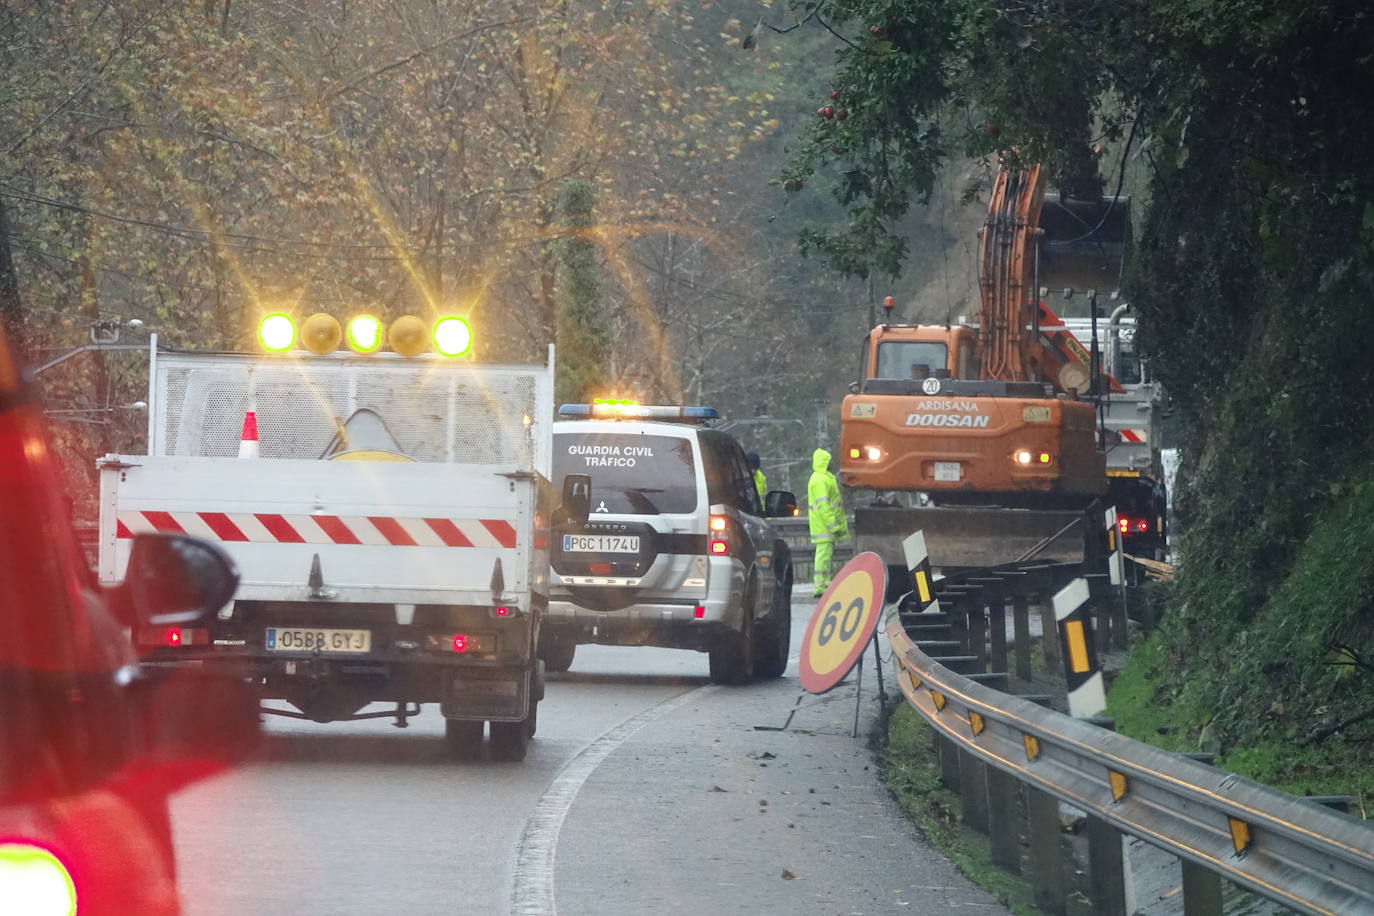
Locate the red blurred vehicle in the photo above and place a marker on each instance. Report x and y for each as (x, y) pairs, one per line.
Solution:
(91, 746)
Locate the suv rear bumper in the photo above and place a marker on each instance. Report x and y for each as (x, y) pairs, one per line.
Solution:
(656, 620)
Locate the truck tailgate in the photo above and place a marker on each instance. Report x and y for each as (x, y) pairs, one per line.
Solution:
(388, 531)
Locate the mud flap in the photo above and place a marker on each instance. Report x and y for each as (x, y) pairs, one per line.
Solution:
(972, 537)
(500, 695)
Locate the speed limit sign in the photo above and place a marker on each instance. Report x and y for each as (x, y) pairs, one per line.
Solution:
(843, 623)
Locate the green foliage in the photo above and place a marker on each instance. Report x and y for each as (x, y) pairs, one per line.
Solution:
(911, 772)
(581, 334)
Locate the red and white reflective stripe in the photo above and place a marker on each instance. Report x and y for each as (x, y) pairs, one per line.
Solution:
(269, 528)
(1134, 435)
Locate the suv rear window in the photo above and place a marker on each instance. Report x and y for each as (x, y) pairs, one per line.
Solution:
(631, 474)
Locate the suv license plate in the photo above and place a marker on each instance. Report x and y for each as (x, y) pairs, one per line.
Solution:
(947, 470)
(308, 639)
(601, 543)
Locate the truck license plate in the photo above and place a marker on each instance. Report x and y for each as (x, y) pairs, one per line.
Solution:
(308, 639)
(947, 470)
(601, 543)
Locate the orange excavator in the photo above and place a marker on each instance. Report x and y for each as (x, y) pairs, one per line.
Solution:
(987, 437)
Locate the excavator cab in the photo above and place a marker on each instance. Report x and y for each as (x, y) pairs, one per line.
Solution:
(916, 352)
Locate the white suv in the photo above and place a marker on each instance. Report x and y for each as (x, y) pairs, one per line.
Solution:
(675, 551)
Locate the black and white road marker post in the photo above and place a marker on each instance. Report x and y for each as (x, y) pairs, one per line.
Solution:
(1116, 573)
(922, 576)
(1088, 698)
(1082, 668)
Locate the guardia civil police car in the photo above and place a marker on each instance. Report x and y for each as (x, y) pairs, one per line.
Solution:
(675, 552)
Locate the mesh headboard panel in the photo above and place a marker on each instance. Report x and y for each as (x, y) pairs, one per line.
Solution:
(436, 410)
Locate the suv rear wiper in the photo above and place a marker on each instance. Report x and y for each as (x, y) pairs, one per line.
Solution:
(637, 498)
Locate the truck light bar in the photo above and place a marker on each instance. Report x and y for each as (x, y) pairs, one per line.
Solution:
(637, 412)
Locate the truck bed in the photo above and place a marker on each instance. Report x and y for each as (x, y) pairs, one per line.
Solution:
(392, 532)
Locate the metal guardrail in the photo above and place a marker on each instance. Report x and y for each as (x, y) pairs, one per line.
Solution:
(796, 532)
(1288, 850)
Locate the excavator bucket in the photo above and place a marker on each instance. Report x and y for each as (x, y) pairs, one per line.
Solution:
(1083, 244)
(972, 537)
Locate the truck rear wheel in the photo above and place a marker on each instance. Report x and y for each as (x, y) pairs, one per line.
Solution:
(510, 740)
(463, 737)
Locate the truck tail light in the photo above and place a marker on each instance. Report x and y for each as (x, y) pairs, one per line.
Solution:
(155, 637)
(1128, 525)
(717, 544)
(505, 610)
(470, 643)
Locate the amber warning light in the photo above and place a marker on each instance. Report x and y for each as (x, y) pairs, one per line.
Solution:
(322, 334)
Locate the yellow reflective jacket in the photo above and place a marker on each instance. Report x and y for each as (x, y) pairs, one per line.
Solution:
(824, 509)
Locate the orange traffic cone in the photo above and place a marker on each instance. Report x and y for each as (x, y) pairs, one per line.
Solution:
(248, 439)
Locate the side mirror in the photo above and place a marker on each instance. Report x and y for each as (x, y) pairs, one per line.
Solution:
(854, 387)
(174, 579)
(577, 499)
(779, 504)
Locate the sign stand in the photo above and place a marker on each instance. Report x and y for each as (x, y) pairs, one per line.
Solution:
(878, 666)
(774, 728)
(858, 695)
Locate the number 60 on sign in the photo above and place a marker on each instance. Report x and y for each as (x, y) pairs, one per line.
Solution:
(843, 623)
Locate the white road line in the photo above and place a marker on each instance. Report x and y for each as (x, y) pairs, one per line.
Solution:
(532, 894)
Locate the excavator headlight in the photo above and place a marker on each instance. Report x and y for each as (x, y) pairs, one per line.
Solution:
(277, 332)
(873, 453)
(1022, 456)
(452, 336)
(365, 333)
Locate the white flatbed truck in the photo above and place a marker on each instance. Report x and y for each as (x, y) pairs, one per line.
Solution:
(392, 535)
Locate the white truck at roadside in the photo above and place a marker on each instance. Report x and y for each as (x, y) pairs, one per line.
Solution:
(392, 537)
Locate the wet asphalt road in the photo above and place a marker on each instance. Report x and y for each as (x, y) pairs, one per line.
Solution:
(646, 790)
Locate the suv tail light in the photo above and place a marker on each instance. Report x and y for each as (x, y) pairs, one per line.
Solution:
(717, 544)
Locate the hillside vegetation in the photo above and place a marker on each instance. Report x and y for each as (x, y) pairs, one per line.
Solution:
(1244, 126)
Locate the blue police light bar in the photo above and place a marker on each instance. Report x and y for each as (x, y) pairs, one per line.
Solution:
(637, 412)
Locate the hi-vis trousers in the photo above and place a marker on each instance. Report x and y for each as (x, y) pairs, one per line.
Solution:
(820, 576)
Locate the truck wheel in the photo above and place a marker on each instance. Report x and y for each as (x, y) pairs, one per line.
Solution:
(463, 737)
(510, 740)
(774, 647)
(732, 654)
(557, 653)
(532, 720)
